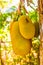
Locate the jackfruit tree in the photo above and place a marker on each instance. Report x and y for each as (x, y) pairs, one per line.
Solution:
(41, 29)
(19, 36)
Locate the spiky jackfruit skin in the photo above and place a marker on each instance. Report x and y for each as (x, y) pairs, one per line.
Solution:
(27, 28)
(21, 46)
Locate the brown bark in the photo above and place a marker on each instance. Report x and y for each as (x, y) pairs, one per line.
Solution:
(21, 5)
(41, 30)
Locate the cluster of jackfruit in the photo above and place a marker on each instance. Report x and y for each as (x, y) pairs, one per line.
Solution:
(21, 32)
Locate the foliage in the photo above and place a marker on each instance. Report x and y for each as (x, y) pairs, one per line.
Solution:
(34, 16)
(3, 3)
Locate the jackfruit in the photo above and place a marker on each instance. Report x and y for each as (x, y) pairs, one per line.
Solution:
(21, 46)
(27, 28)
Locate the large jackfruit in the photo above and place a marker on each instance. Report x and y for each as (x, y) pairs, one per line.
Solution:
(21, 46)
(27, 28)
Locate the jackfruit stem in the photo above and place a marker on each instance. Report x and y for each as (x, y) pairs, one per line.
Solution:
(27, 20)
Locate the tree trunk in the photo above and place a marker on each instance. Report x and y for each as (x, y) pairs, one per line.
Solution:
(41, 29)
